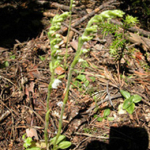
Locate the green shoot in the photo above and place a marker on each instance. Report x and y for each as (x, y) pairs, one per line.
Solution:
(130, 100)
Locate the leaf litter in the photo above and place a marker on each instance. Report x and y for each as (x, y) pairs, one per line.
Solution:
(24, 82)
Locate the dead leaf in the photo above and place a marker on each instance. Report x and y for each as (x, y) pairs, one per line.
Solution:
(59, 70)
(28, 89)
(141, 41)
(70, 37)
(89, 10)
(74, 44)
(139, 73)
(31, 132)
(33, 72)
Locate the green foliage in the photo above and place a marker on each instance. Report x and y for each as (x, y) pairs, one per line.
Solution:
(84, 64)
(12, 57)
(130, 100)
(6, 64)
(130, 21)
(61, 142)
(87, 130)
(106, 112)
(42, 58)
(64, 145)
(93, 79)
(118, 45)
(81, 77)
(125, 94)
(29, 144)
(107, 28)
(105, 116)
(27, 141)
(82, 84)
(54, 38)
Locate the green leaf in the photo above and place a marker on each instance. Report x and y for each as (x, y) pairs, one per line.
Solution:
(61, 138)
(77, 84)
(110, 118)
(95, 97)
(130, 20)
(99, 119)
(81, 77)
(24, 136)
(136, 98)
(64, 145)
(130, 109)
(42, 58)
(95, 116)
(127, 103)
(61, 76)
(12, 57)
(87, 130)
(92, 78)
(125, 94)
(84, 64)
(27, 142)
(106, 112)
(86, 83)
(105, 118)
(6, 63)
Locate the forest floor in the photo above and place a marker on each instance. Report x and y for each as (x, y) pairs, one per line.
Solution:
(96, 82)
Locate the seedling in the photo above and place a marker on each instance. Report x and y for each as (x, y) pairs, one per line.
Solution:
(27, 141)
(82, 84)
(130, 100)
(29, 144)
(105, 116)
(61, 142)
(118, 45)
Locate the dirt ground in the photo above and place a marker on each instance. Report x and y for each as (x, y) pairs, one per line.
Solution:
(25, 75)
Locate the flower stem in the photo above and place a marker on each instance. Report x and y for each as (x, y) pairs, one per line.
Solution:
(70, 11)
(66, 92)
(47, 109)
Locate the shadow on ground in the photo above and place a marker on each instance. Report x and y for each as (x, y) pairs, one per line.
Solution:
(122, 138)
(19, 20)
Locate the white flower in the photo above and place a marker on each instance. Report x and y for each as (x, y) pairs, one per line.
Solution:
(81, 60)
(58, 23)
(85, 50)
(60, 103)
(58, 51)
(51, 32)
(56, 46)
(57, 35)
(58, 57)
(56, 83)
